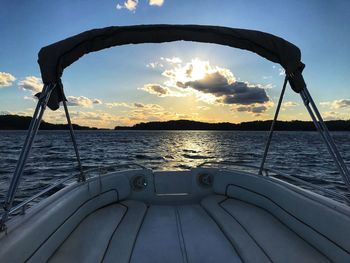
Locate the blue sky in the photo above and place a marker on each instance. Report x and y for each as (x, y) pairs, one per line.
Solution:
(129, 84)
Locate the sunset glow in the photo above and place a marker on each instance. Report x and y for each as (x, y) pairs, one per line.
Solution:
(179, 80)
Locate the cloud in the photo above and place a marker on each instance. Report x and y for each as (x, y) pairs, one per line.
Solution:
(173, 60)
(154, 65)
(210, 84)
(32, 84)
(156, 89)
(337, 104)
(161, 91)
(82, 101)
(332, 115)
(156, 2)
(139, 105)
(155, 112)
(131, 5)
(289, 104)
(135, 105)
(6, 79)
(217, 82)
(281, 71)
(32, 97)
(118, 104)
(256, 109)
(97, 101)
(4, 112)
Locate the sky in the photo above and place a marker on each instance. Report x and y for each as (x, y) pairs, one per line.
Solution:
(179, 80)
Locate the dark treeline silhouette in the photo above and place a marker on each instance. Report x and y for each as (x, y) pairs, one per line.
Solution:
(15, 122)
(337, 125)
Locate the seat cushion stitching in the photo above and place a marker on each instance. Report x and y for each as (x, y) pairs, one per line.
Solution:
(115, 229)
(222, 230)
(66, 219)
(289, 213)
(137, 234)
(246, 230)
(238, 199)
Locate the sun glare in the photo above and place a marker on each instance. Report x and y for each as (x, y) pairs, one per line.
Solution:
(199, 69)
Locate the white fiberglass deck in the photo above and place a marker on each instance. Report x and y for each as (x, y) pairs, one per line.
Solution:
(217, 230)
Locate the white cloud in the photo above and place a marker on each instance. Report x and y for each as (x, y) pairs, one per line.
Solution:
(289, 104)
(281, 71)
(32, 97)
(154, 65)
(173, 60)
(135, 105)
(129, 4)
(117, 104)
(6, 79)
(31, 83)
(337, 104)
(332, 115)
(156, 2)
(82, 101)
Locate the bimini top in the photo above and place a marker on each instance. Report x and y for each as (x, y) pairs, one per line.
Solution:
(54, 58)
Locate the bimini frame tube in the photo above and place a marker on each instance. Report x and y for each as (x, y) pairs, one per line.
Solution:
(32, 131)
(81, 177)
(267, 146)
(324, 132)
(321, 128)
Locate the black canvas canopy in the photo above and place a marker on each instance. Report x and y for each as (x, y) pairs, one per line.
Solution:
(54, 58)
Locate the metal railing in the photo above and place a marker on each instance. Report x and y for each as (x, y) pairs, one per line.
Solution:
(101, 169)
(270, 172)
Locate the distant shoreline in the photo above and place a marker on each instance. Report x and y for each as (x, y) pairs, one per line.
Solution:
(15, 122)
(337, 125)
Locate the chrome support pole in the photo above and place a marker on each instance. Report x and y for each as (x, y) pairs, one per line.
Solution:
(324, 132)
(32, 131)
(267, 146)
(81, 177)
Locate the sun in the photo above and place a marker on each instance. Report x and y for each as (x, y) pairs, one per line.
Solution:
(199, 69)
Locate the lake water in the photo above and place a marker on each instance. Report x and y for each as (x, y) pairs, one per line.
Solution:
(52, 157)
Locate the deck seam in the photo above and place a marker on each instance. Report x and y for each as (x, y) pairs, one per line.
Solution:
(181, 236)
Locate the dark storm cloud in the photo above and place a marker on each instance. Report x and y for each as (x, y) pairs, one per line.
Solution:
(237, 92)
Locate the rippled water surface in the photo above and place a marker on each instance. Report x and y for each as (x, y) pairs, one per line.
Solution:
(52, 158)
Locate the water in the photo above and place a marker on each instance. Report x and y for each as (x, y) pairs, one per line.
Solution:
(52, 157)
